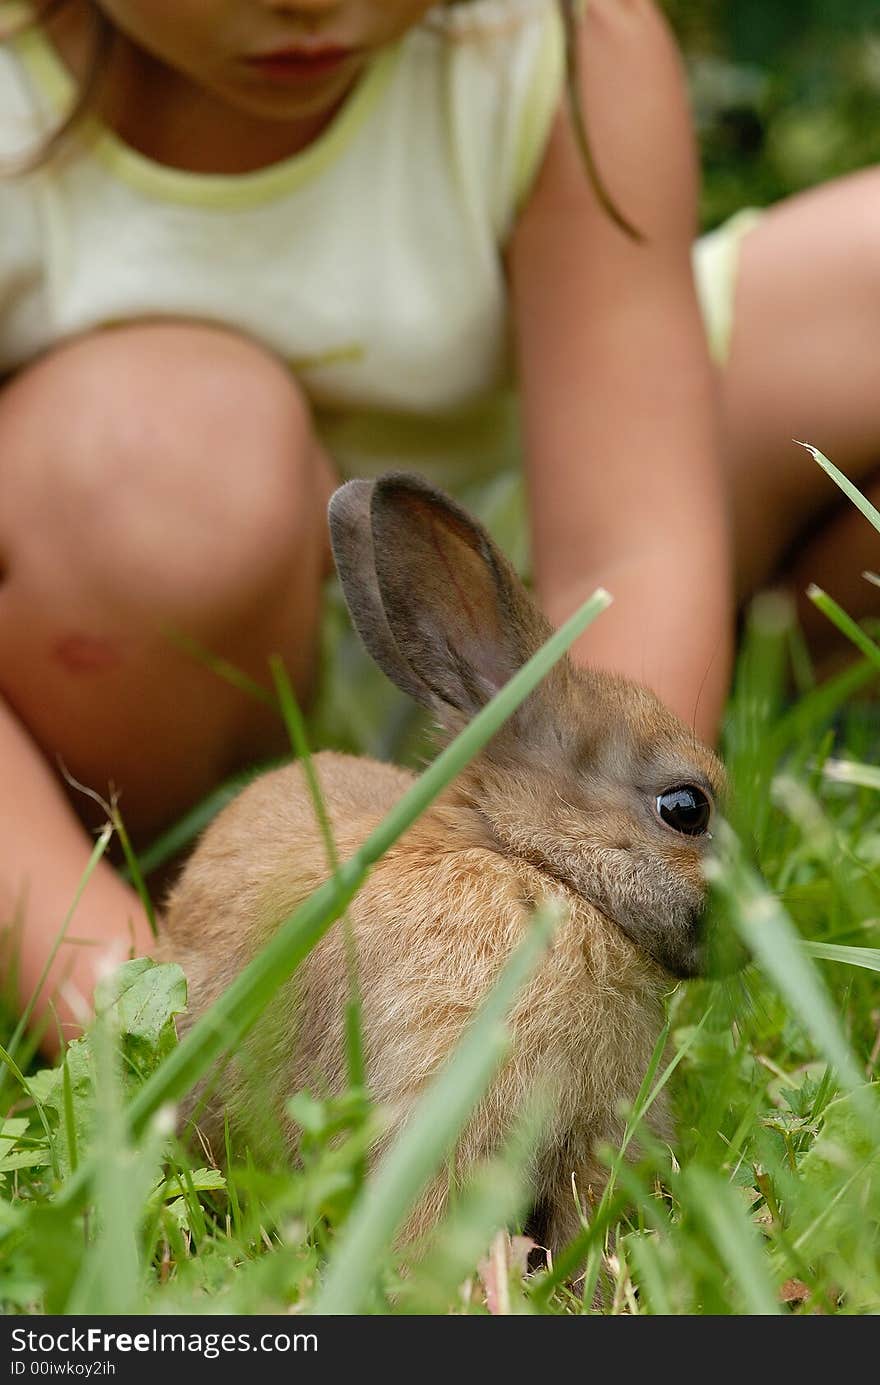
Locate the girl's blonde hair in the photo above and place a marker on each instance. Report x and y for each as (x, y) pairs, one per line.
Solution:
(570, 11)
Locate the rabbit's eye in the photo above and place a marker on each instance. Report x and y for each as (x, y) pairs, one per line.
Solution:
(685, 808)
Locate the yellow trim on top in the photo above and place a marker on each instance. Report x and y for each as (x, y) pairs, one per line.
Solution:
(44, 65)
(541, 105)
(224, 190)
(351, 353)
(715, 260)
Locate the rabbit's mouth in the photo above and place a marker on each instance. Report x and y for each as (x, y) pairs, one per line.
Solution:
(685, 945)
(661, 914)
(673, 935)
(677, 944)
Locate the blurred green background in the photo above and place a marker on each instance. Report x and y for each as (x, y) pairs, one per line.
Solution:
(787, 94)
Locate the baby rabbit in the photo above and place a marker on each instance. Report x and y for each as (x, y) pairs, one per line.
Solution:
(592, 795)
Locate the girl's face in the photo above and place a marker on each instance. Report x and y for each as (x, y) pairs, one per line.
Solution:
(274, 59)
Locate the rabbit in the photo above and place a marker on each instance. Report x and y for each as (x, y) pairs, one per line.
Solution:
(593, 797)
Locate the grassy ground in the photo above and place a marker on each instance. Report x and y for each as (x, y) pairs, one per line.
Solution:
(769, 1203)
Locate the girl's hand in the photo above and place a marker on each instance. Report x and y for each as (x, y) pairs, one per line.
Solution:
(618, 390)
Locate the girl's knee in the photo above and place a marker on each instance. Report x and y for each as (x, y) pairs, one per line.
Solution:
(173, 464)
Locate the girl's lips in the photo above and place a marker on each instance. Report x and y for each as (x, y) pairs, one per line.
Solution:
(292, 63)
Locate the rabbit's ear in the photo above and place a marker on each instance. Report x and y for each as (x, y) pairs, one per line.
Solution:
(351, 537)
(458, 615)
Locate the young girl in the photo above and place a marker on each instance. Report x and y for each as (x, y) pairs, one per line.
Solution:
(293, 240)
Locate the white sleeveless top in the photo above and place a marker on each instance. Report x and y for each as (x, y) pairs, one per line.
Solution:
(370, 262)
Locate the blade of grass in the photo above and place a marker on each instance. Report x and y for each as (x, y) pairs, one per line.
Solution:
(111, 1277)
(758, 696)
(9, 1061)
(98, 851)
(652, 1275)
(232, 1190)
(802, 670)
(839, 1195)
(428, 1135)
(194, 1213)
(714, 1201)
(871, 513)
(493, 1197)
(851, 772)
(767, 930)
(844, 623)
(296, 730)
(792, 729)
(229, 672)
(132, 870)
(233, 1013)
(135, 873)
(69, 1117)
(867, 957)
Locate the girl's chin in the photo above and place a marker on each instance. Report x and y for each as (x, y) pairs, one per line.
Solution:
(292, 98)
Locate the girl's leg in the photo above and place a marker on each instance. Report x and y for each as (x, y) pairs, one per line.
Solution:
(157, 483)
(804, 364)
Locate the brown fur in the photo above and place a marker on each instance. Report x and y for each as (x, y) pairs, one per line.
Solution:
(560, 806)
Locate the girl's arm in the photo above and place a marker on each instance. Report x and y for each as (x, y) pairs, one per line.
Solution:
(45, 853)
(618, 390)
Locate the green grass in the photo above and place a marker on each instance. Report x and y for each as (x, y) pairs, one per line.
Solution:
(768, 1203)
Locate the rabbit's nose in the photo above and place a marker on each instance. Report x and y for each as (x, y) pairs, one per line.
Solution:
(684, 958)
